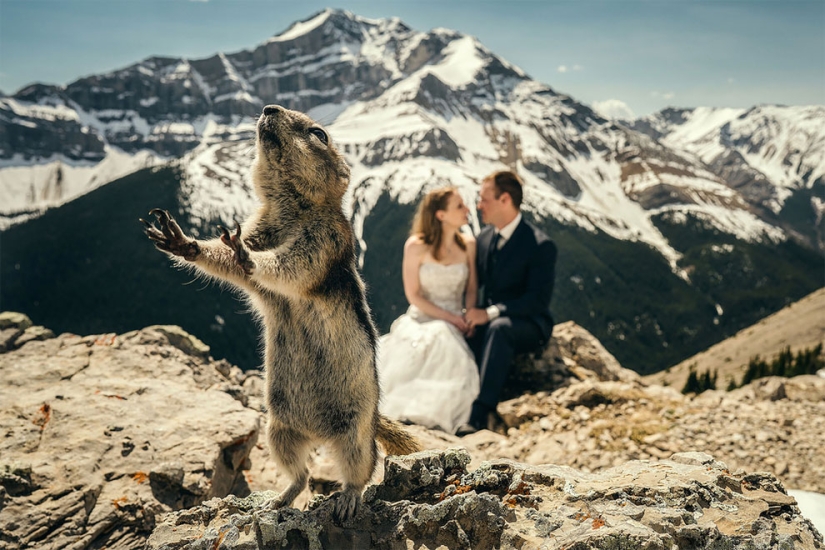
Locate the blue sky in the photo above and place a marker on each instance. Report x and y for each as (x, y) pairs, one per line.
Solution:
(646, 54)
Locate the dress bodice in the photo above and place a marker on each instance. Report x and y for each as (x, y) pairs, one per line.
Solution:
(443, 284)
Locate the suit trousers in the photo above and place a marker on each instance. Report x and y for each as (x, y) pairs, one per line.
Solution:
(495, 345)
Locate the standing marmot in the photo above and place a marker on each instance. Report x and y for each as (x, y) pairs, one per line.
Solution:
(295, 259)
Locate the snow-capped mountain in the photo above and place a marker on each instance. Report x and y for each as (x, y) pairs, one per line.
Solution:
(783, 145)
(673, 231)
(766, 153)
(411, 110)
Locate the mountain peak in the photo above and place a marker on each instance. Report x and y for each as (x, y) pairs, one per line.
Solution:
(300, 28)
(335, 18)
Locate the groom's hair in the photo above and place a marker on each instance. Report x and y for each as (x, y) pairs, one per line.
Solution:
(508, 182)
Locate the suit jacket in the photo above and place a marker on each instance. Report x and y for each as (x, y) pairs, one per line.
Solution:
(520, 280)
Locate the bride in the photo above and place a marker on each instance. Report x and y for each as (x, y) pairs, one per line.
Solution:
(427, 372)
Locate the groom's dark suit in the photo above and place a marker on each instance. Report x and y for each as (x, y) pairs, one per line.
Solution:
(518, 279)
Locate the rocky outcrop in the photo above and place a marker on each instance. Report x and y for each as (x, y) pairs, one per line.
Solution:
(558, 178)
(30, 136)
(16, 329)
(772, 425)
(103, 434)
(572, 355)
(430, 143)
(431, 500)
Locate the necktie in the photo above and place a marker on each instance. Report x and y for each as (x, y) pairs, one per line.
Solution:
(491, 255)
(491, 260)
(494, 242)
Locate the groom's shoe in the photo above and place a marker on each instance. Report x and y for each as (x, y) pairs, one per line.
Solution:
(478, 420)
(465, 429)
(495, 423)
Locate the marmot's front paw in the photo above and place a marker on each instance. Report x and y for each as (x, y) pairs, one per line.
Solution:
(234, 242)
(169, 237)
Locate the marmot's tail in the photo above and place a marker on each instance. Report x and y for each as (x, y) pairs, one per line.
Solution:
(394, 438)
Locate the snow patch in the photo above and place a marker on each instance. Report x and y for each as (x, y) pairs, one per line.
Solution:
(614, 109)
(302, 27)
(462, 61)
(35, 110)
(216, 183)
(42, 185)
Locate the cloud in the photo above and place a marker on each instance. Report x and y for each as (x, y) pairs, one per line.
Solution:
(565, 68)
(731, 80)
(663, 95)
(614, 109)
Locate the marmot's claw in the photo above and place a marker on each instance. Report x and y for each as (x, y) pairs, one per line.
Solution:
(347, 504)
(272, 505)
(152, 232)
(169, 237)
(161, 215)
(234, 242)
(225, 237)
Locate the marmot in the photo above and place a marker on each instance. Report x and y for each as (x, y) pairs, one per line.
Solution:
(295, 260)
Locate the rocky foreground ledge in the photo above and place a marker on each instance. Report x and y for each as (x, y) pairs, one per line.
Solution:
(431, 500)
(108, 441)
(101, 435)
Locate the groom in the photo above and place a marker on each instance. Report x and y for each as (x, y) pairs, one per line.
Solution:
(516, 269)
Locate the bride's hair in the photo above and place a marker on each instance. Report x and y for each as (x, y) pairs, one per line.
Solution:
(427, 226)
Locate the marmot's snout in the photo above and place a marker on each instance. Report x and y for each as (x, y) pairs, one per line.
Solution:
(268, 125)
(271, 110)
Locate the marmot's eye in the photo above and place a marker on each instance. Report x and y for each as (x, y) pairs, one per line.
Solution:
(320, 134)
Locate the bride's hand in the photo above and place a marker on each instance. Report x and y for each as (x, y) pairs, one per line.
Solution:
(459, 322)
(470, 326)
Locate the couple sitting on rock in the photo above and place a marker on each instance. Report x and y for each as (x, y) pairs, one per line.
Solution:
(474, 305)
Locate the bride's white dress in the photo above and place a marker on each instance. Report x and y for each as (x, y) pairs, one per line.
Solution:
(427, 372)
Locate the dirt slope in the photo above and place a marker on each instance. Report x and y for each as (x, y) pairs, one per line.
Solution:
(800, 325)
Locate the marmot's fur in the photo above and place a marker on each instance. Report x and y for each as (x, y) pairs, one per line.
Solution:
(295, 259)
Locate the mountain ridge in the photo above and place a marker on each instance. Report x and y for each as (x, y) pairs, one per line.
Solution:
(414, 110)
(385, 64)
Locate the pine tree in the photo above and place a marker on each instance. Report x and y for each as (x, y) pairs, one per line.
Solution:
(756, 369)
(692, 383)
(707, 381)
(786, 364)
(700, 383)
(783, 364)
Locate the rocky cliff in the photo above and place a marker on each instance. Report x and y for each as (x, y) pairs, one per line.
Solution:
(431, 500)
(105, 435)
